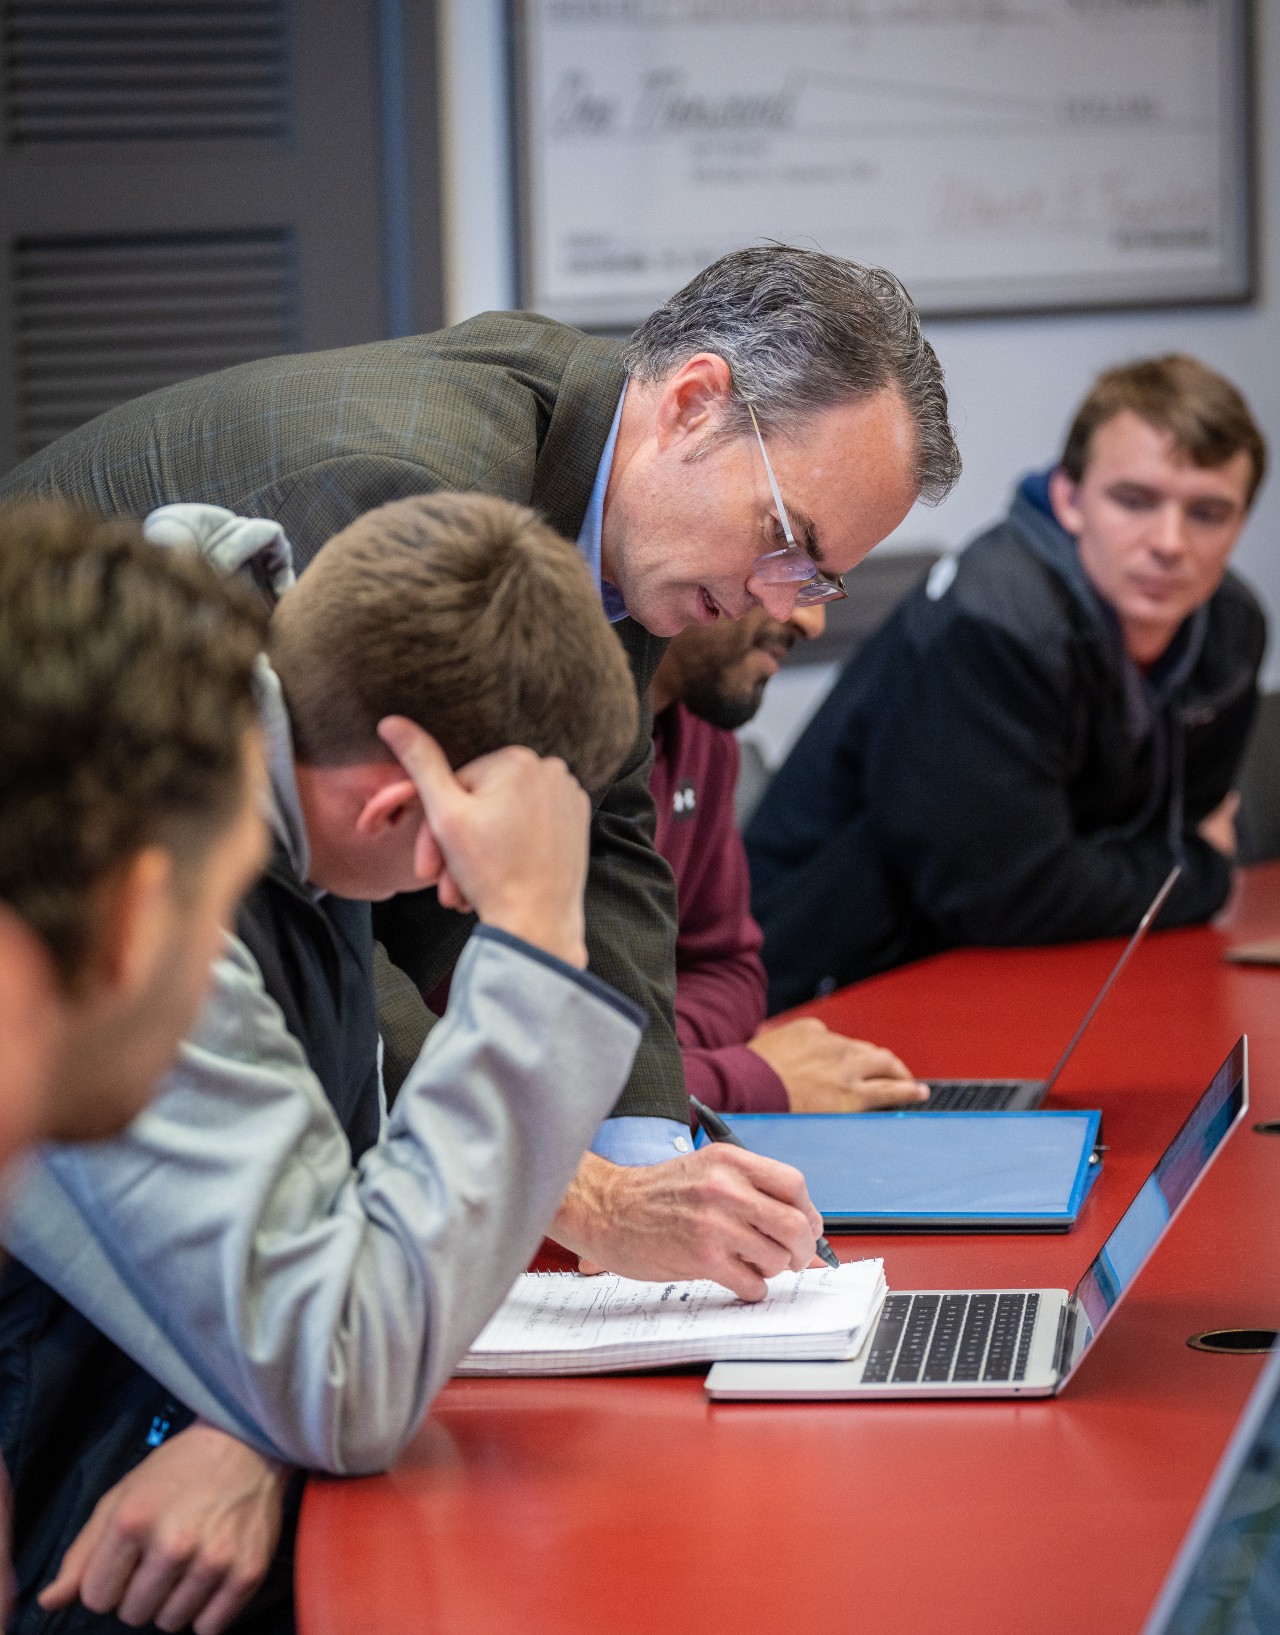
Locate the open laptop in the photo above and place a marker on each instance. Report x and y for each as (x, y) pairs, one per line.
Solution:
(1010, 1342)
(999, 1095)
(1226, 1579)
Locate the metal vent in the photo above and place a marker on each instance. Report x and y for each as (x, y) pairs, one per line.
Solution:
(101, 320)
(144, 70)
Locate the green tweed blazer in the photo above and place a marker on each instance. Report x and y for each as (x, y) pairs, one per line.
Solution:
(508, 404)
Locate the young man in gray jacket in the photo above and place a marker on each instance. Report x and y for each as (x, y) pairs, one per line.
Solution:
(228, 1251)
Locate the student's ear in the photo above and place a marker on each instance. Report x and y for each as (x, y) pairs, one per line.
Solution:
(388, 808)
(396, 803)
(133, 922)
(693, 398)
(1063, 496)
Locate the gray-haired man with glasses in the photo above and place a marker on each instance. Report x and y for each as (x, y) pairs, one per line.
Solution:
(649, 455)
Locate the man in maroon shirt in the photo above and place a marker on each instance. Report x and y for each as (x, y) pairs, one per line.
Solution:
(710, 681)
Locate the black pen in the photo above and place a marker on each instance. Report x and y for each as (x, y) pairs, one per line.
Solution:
(717, 1130)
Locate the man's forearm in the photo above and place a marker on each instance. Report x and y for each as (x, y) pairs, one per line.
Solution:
(734, 1079)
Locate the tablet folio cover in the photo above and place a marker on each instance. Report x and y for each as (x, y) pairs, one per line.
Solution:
(1020, 1172)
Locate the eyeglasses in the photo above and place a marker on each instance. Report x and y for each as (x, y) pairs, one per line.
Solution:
(790, 565)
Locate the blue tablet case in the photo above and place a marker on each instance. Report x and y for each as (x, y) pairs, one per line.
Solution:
(1013, 1172)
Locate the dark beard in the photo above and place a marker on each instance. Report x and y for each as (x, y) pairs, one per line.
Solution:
(706, 697)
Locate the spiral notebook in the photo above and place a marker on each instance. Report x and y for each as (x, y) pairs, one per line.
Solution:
(560, 1323)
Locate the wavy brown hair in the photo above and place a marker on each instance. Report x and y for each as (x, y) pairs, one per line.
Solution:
(126, 675)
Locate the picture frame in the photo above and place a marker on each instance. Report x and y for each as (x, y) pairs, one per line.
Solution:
(1053, 155)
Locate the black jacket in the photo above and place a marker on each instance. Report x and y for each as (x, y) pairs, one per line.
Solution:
(993, 769)
(77, 1414)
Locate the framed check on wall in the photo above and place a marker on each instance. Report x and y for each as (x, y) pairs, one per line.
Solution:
(998, 155)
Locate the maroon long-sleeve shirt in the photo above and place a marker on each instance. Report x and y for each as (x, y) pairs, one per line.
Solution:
(720, 980)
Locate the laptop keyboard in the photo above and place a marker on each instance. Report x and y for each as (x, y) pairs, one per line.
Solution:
(965, 1095)
(935, 1338)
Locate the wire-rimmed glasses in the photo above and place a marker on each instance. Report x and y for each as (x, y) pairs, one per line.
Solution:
(791, 564)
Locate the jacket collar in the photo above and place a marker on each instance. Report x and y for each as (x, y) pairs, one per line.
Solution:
(569, 455)
(258, 549)
(284, 807)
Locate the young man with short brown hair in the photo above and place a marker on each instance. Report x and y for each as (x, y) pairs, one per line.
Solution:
(511, 648)
(1049, 723)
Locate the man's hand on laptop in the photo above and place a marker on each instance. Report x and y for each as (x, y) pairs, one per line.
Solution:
(824, 1072)
(184, 1539)
(719, 1212)
(506, 835)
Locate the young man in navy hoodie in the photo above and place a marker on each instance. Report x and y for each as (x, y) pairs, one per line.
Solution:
(1049, 723)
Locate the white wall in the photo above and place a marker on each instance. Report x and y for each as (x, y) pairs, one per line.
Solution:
(1013, 381)
(479, 261)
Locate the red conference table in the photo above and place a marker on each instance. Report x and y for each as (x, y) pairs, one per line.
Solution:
(631, 1504)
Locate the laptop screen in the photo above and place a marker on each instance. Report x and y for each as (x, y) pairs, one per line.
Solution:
(1226, 1580)
(1168, 1186)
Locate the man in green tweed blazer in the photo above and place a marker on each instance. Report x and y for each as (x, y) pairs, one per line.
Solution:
(504, 404)
(828, 355)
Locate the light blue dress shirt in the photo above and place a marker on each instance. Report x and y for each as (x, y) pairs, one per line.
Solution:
(622, 1140)
(590, 535)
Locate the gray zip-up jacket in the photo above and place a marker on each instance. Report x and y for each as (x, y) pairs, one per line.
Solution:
(227, 1243)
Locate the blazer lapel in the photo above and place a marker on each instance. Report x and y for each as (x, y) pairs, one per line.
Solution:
(569, 457)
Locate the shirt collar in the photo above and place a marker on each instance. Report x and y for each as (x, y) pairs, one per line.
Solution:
(590, 535)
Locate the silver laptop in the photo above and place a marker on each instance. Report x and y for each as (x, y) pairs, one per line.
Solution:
(1226, 1580)
(1010, 1342)
(1016, 1095)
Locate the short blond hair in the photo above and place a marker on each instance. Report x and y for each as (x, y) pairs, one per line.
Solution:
(470, 616)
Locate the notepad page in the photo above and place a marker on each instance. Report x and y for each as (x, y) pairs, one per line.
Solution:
(561, 1320)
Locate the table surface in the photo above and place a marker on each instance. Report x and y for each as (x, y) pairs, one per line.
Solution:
(632, 1504)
